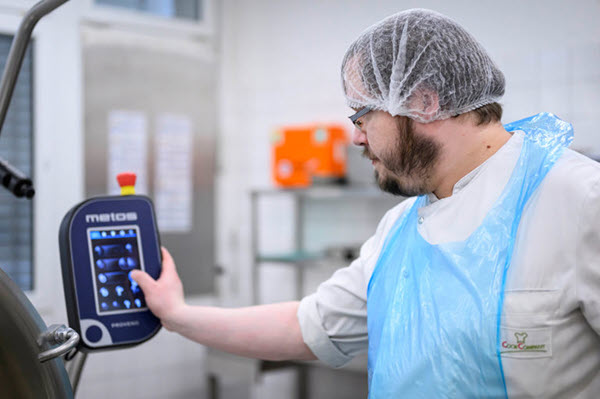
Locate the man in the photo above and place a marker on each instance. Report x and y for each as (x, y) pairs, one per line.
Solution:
(485, 285)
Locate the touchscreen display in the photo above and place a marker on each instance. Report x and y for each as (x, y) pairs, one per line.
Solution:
(114, 252)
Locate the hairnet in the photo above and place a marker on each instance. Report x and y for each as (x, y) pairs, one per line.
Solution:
(421, 64)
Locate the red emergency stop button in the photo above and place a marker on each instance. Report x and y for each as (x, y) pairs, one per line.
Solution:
(127, 182)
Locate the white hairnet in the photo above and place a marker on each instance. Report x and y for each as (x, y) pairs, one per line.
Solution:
(421, 64)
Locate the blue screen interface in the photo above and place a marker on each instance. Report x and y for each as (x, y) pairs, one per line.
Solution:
(114, 252)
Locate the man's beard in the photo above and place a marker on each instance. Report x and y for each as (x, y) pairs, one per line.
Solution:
(409, 163)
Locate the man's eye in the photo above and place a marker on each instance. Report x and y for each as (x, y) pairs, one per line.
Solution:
(358, 123)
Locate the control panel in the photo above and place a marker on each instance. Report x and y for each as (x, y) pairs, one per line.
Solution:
(101, 241)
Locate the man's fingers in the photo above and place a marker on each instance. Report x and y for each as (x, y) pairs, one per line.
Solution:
(146, 282)
(143, 279)
(168, 264)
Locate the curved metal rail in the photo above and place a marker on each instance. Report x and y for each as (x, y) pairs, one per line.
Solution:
(17, 51)
(57, 334)
(10, 177)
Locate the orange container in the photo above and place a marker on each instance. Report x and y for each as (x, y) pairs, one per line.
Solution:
(300, 153)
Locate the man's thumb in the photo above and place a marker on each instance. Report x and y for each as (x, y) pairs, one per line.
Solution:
(143, 279)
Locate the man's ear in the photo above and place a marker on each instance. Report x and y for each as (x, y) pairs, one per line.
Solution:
(426, 104)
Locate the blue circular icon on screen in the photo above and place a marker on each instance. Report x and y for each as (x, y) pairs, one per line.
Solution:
(98, 250)
(127, 263)
(102, 278)
(100, 264)
(119, 290)
(104, 292)
(131, 232)
(138, 302)
(113, 233)
(122, 232)
(104, 306)
(127, 303)
(129, 248)
(115, 304)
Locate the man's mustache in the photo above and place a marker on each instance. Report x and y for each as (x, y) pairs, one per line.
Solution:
(367, 154)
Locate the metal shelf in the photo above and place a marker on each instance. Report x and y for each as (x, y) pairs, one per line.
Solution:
(290, 257)
(299, 260)
(329, 192)
(300, 257)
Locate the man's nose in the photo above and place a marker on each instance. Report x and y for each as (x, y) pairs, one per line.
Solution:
(359, 137)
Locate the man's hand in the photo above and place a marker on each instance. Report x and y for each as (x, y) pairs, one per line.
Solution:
(165, 295)
(269, 332)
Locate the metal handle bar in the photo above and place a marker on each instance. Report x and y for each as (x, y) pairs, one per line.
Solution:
(17, 51)
(57, 334)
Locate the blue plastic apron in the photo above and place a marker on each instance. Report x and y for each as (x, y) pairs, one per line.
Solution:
(434, 310)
